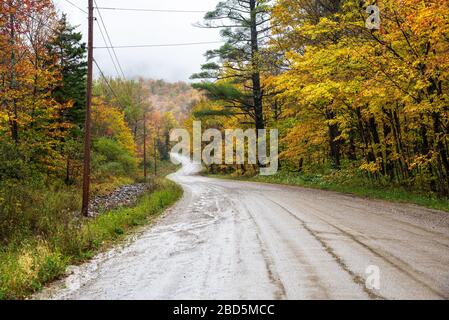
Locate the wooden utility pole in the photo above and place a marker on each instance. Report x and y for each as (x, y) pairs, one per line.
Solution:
(145, 145)
(88, 125)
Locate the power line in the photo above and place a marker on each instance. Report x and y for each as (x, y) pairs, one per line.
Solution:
(104, 39)
(107, 83)
(110, 42)
(151, 10)
(109, 51)
(161, 45)
(46, 25)
(76, 6)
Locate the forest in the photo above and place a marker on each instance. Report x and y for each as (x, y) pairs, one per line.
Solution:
(43, 72)
(355, 106)
(351, 103)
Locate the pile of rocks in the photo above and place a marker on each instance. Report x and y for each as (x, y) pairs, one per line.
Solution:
(124, 196)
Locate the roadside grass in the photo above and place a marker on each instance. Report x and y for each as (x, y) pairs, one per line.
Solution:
(31, 261)
(164, 168)
(361, 187)
(110, 184)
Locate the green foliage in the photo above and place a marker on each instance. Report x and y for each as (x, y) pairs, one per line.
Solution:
(237, 65)
(338, 91)
(69, 49)
(206, 113)
(349, 182)
(376, 98)
(163, 141)
(220, 91)
(12, 164)
(59, 237)
(111, 158)
(43, 97)
(112, 225)
(32, 208)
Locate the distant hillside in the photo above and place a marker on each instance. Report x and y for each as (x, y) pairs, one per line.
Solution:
(177, 97)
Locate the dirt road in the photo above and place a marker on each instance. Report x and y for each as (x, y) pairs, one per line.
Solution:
(241, 240)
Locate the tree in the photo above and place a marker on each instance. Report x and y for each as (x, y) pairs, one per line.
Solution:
(238, 64)
(70, 61)
(381, 93)
(28, 77)
(70, 51)
(168, 123)
(114, 144)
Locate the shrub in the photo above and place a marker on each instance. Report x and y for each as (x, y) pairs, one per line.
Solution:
(44, 247)
(111, 159)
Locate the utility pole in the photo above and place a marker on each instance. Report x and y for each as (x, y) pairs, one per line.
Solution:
(145, 145)
(88, 125)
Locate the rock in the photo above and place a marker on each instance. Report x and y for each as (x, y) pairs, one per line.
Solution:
(124, 195)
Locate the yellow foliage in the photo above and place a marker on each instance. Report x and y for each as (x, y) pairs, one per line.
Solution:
(108, 121)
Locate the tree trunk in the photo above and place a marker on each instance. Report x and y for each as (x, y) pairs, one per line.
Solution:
(334, 133)
(443, 157)
(257, 88)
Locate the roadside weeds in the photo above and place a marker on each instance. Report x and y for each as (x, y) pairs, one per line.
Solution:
(391, 194)
(26, 268)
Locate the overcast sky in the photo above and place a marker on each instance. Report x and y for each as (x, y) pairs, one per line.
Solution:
(141, 28)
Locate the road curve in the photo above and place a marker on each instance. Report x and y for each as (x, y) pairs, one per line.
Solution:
(242, 240)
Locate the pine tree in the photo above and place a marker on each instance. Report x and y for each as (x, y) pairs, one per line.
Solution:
(69, 49)
(238, 64)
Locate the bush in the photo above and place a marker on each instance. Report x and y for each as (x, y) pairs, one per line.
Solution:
(57, 237)
(12, 164)
(112, 159)
(33, 209)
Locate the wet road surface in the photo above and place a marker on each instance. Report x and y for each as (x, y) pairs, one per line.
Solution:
(242, 240)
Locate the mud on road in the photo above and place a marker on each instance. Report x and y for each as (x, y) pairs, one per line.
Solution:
(242, 240)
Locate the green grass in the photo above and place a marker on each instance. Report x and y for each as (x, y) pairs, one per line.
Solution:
(27, 265)
(164, 168)
(352, 185)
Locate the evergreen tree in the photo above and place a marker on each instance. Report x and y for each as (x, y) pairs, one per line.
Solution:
(69, 49)
(238, 64)
(70, 52)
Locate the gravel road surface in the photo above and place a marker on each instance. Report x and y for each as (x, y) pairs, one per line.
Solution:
(242, 240)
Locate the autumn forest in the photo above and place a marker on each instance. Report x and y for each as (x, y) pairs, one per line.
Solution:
(354, 106)
(364, 102)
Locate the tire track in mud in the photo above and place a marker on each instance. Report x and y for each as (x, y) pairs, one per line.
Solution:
(273, 275)
(411, 225)
(394, 261)
(271, 265)
(357, 279)
(398, 264)
(234, 240)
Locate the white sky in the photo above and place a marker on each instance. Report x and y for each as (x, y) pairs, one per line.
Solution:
(137, 28)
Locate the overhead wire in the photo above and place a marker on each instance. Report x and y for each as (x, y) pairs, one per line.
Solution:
(151, 10)
(109, 50)
(110, 42)
(107, 83)
(161, 45)
(76, 6)
(107, 39)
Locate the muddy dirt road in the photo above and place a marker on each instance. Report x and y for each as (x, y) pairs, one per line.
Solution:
(241, 240)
